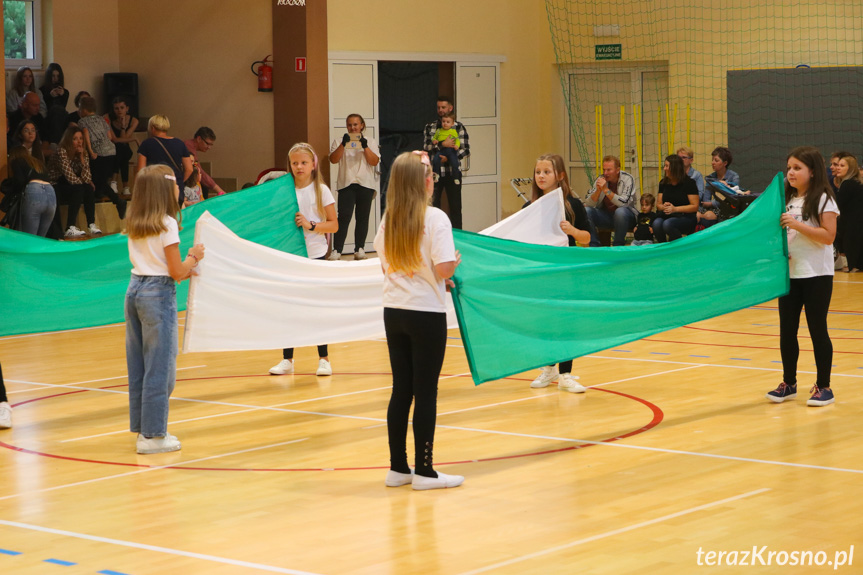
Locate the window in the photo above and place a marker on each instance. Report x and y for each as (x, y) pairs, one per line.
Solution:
(22, 29)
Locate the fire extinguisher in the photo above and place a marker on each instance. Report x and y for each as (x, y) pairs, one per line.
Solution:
(264, 74)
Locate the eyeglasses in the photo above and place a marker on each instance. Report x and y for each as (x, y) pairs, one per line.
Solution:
(209, 144)
(424, 157)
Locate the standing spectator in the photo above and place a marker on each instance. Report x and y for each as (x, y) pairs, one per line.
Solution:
(123, 125)
(5, 408)
(850, 200)
(98, 138)
(39, 202)
(159, 148)
(22, 84)
(610, 204)
(204, 139)
(677, 202)
(75, 117)
(69, 171)
(447, 182)
(831, 171)
(56, 97)
(356, 182)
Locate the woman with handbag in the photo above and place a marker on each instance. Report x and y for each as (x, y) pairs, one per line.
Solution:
(159, 148)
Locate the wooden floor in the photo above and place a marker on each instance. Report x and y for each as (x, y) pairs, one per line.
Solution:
(673, 450)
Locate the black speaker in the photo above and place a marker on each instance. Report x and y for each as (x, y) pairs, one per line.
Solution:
(122, 84)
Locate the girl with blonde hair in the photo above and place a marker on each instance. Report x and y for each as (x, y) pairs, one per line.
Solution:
(317, 217)
(151, 305)
(418, 256)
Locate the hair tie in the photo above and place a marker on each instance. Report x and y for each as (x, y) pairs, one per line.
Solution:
(170, 177)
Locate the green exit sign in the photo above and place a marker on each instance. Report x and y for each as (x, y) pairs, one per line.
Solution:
(608, 51)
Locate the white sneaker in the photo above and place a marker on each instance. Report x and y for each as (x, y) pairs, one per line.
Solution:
(569, 382)
(396, 479)
(334, 256)
(5, 415)
(74, 232)
(114, 187)
(126, 191)
(442, 481)
(157, 444)
(841, 262)
(94, 231)
(283, 367)
(549, 374)
(360, 254)
(324, 368)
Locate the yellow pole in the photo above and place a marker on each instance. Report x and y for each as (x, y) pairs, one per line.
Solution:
(601, 148)
(659, 133)
(623, 137)
(596, 136)
(636, 118)
(688, 132)
(668, 128)
(673, 128)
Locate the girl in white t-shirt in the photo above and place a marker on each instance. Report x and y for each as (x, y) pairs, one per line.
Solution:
(317, 217)
(151, 305)
(417, 253)
(810, 219)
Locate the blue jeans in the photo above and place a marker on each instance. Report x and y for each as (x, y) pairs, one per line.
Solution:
(451, 155)
(621, 221)
(151, 352)
(38, 207)
(670, 229)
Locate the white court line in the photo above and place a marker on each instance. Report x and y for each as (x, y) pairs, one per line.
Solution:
(149, 469)
(614, 532)
(62, 331)
(156, 548)
(74, 383)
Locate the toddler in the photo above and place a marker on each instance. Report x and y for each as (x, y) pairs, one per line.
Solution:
(446, 130)
(644, 228)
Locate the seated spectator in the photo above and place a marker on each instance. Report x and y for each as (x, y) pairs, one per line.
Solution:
(123, 125)
(75, 117)
(849, 236)
(69, 172)
(687, 155)
(643, 231)
(159, 148)
(30, 176)
(708, 209)
(56, 97)
(204, 139)
(610, 204)
(192, 188)
(21, 85)
(98, 139)
(26, 135)
(29, 110)
(677, 202)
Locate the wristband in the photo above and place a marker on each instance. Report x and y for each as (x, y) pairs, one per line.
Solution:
(191, 255)
(312, 224)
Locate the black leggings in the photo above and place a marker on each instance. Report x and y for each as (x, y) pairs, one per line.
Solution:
(121, 160)
(416, 342)
(813, 294)
(74, 195)
(288, 352)
(3, 396)
(362, 197)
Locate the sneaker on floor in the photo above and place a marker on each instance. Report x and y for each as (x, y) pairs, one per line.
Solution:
(820, 396)
(569, 382)
(396, 479)
(74, 232)
(360, 254)
(157, 444)
(334, 256)
(783, 392)
(5, 415)
(283, 367)
(94, 231)
(442, 481)
(548, 375)
(127, 192)
(324, 368)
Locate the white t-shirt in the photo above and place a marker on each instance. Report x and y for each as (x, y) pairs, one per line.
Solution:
(808, 258)
(353, 167)
(316, 243)
(148, 254)
(424, 290)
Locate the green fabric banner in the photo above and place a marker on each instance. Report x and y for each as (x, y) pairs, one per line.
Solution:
(523, 306)
(46, 285)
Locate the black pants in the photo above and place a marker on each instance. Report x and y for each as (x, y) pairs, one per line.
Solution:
(73, 195)
(453, 197)
(121, 160)
(3, 397)
(813, 294)
(288, 352)
(102, 169)
(416, 342)
(353, 195)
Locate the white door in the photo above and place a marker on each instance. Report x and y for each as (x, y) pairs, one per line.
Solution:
(597, 132)
(478, 108)
(354, 90)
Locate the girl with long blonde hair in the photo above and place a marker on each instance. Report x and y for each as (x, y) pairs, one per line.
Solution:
(151, 305)
(418, 256)
(317, 217)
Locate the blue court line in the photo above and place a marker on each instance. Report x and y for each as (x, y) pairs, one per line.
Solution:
(740, 358)
(623, 350)
(659, 353)
(9, 552)
(699, 356)
(774, 361)
(59, 562)
(109, 572)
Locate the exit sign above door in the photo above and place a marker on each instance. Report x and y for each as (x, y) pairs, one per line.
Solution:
(608, 51)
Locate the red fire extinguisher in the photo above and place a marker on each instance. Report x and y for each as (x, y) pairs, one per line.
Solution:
(264, 74)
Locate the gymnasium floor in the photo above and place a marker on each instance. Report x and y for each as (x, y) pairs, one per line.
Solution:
(672, 454)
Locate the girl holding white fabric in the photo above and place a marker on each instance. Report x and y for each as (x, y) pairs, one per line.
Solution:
(417, 254)
(317, 216)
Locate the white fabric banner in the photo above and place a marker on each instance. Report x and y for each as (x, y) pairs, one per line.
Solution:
(251, 297)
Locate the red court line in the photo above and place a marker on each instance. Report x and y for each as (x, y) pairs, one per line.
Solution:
(739, 346)
(759, 334)
(857, 312)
